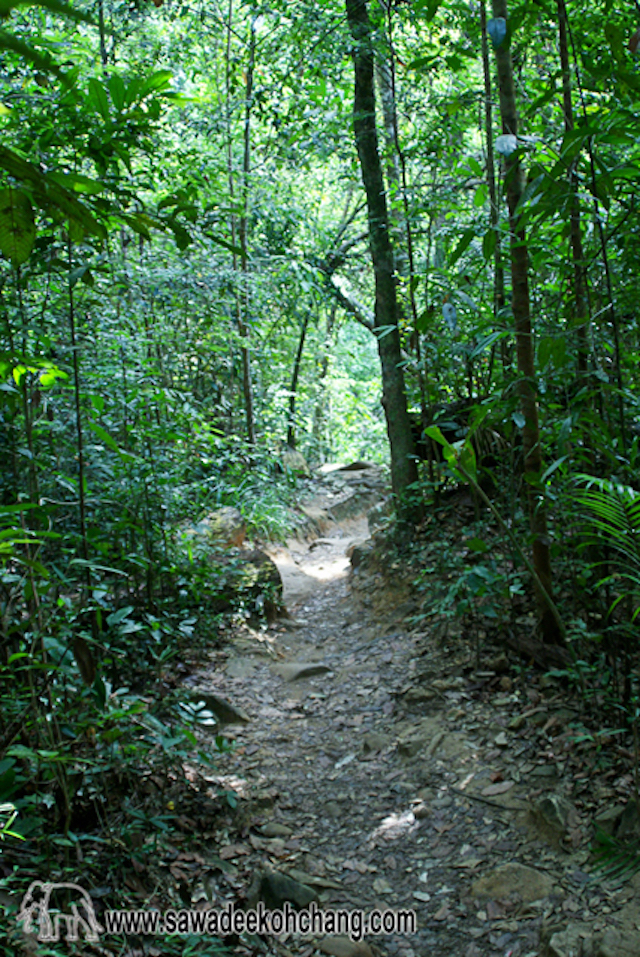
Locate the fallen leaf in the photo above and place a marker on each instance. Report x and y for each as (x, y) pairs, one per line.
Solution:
(443, 913)
(233, 850)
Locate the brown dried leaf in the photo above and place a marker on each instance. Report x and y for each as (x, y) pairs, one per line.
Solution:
(233, 850)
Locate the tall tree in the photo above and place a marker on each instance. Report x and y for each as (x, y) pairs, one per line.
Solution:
(581, 307)
(522, 319)
(404, 471)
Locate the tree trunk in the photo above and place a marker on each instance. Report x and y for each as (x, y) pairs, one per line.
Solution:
(320, 443)
(404, 472)
(494, 215)
(242, 295)
(524, 335)
(581, 309)
(291, 430)
(243, 329)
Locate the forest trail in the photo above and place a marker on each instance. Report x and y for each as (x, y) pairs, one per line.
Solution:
(368, 774)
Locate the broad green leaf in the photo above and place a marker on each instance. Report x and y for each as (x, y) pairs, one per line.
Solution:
(466, 458)
(552, 349)
(119, 615)
(98, 97)
(480, 196)
(77, 182)
(56, 6)
(108, 440)
(427, 8)
(117, 90)
(51, 374)
(424, 319)
(156, 82)
(463, 243)
(489, 243)
(17, 228)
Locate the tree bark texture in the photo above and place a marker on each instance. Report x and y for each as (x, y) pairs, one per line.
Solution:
(404, 472)
(514, 182)
(243, 311)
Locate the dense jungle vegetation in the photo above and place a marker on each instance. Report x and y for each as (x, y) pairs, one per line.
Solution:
(232, 228)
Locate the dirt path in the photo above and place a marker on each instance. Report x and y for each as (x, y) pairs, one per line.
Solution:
(371, 775)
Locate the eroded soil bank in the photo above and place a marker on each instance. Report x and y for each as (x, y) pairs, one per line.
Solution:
(378, 770)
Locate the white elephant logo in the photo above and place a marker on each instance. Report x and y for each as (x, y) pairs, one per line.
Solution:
(46, 906)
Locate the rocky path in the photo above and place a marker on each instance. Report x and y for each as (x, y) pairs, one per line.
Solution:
(372, 775)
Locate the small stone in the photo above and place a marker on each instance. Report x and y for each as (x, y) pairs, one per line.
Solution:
(517, 723)
(499, 665)
(629, 825)
(607, 819)
(374, 741)
(297, 670)
(556, 813)
(529, 884)
(539, 719)
(445, 801)
(292, 461)
(225, 711)
(501, 740)
(274, 829)
(544, 771)
(344, 947)
(358, 554)
(274, 889)
(419, 695)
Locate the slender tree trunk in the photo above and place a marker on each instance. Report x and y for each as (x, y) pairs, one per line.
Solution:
(81, 650)
(524, 335)
(599, 225)
(494, 214)
(320, 411)
(240, 230)
(581, 307)
(397, 183)
(386, 92)
(243, 329)
(104, 59)
(404, 471)
(291, 431)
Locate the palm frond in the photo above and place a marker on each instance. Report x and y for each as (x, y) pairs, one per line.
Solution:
(616, 860)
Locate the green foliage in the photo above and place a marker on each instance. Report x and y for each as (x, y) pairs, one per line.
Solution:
(17, 230)
(160, 230)
(614, 523)
(615, 860)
